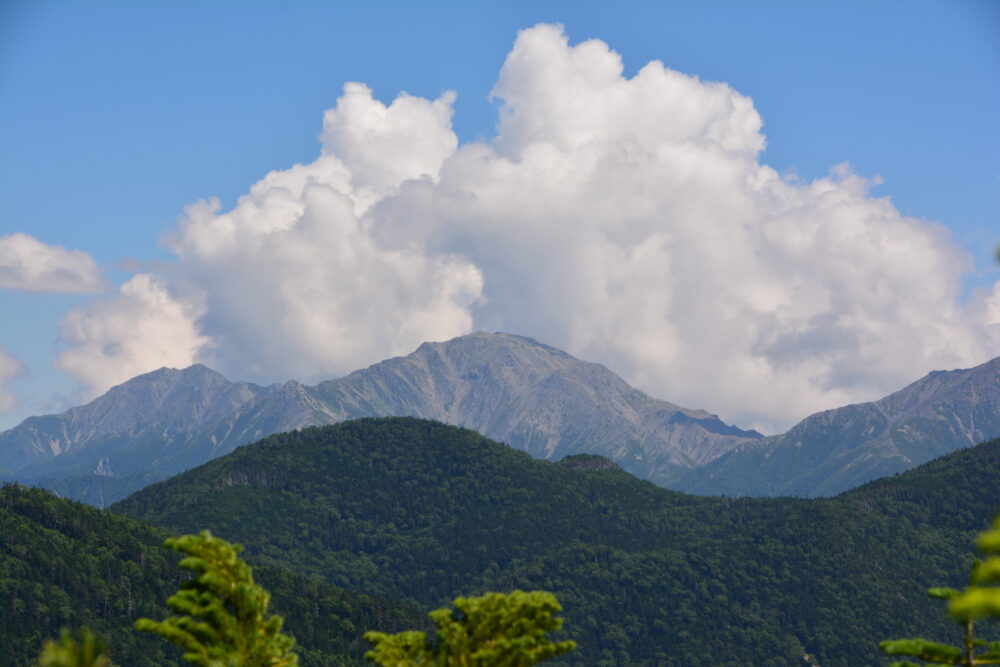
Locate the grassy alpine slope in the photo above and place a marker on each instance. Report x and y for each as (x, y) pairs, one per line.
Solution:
(63, 563)
(420, 511)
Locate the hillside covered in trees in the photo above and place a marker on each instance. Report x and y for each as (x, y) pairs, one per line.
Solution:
(419, 511)
(63, 563)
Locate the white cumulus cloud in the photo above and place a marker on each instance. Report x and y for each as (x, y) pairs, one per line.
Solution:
(292, 282)
(384, 146)
(631, 222)
(10, 368)
(142, 328)
(627, 220)
(985, 306)
(295, 282)
(28, 264)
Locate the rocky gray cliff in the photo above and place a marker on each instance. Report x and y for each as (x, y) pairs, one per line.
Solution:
(839, 449)
(167, 406)
(513, 389)
(538, 399)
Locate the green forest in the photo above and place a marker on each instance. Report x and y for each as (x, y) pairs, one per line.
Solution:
(412, 514)
(65, 564)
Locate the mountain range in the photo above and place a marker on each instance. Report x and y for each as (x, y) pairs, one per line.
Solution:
(370, 523)
(836, 450)
(513, 389)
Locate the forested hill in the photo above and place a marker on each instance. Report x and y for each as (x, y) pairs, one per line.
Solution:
(417, 510)
(66, 564)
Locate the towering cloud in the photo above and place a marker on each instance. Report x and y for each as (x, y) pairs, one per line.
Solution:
(295, 281)
(28, 264)
(628, 220)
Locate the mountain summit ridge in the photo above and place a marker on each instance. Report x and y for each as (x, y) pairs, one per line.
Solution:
(494, 389)
(835, 450)
(533, 396)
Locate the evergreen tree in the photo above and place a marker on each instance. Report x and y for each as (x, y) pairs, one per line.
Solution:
(495, 630)
(221, 616)
(980, 600)
(69, 651)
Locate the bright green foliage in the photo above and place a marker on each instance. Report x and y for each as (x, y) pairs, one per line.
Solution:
(922, 649)
(495, 630)
(222, 615)
(943, 654)
(980, 600)
(88, 651)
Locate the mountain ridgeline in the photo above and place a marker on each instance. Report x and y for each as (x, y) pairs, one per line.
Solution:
(531, 396)
(421, 512)
(836, 450)
(515, 390)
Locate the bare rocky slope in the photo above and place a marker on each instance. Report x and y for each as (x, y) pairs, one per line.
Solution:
(513, 389)
(836, 450)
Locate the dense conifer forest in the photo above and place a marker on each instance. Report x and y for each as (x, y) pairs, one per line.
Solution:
(421, 512)
(65, 564)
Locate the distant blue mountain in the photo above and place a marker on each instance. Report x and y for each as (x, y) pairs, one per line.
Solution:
(836, 450)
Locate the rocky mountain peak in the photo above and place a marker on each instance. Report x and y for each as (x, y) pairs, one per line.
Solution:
(835, 450)
(510, 388)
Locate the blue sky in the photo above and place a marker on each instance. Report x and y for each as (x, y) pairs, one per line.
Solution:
(117, 115)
